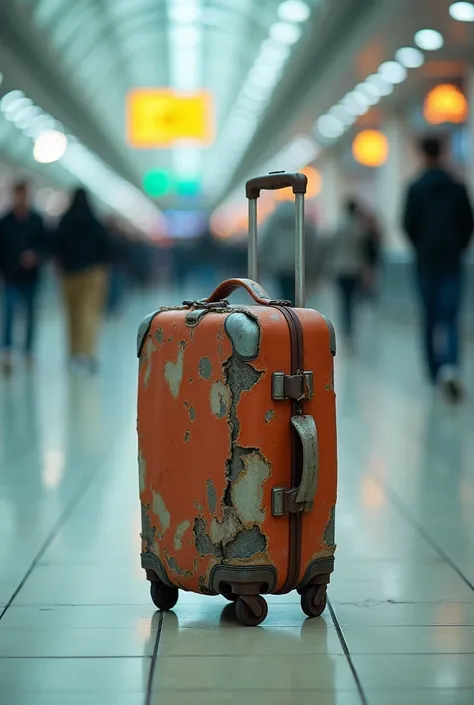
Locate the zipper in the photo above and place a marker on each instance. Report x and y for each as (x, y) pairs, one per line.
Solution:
(295, 520)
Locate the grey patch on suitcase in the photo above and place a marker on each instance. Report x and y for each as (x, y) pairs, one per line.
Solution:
(332, 335)
(148, 530)
(225, 531)
(162, 513)
(143, 330)
(243, 332)
(220, 399)
(329, 536)
(177, 569)
(204, 545)
(211, 496)
(235, 466)
(240, 377)
(187, 437)
(246, 544)
(179, 534)
(160, 336)
(205, 368)
(147, 359)
(142, 472)
(192, 414)
(174, 373)
(247, 491)
(269, 416)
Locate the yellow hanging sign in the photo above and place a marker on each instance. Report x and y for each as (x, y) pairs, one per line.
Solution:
(161, 117)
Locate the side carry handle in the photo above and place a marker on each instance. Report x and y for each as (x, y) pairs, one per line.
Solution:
(301, 498)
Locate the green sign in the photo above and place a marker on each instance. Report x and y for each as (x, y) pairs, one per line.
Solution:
(156, 183)
(188, 188)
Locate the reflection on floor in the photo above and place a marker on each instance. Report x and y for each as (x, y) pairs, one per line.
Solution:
(79, 627)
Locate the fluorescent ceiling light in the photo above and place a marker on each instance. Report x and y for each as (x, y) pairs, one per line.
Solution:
(393, 72)
(272, 50)
(410, 57)
(429, 39)
(356, 103)
(49, 146)
(368, 89)
(10, 98)
(40, 124)
(342, 114)
(383, 86)
(369, 92)
(15, 107)
(462, 11)
(285, 33)
(186, 35)
(294, 11)
(330, 126)
(184, 13)
(26, 116)
(256, 92)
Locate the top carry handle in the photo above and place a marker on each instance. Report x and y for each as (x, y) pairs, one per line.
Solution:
(272, 182)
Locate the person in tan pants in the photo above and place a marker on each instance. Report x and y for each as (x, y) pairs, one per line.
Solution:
(83, 252)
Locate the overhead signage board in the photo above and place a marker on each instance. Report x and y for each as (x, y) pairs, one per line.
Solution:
(159, 118)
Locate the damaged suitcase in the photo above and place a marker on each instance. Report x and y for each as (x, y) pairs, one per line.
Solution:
(237, 441)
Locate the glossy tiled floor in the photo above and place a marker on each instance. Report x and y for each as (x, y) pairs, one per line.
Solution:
(78, 627)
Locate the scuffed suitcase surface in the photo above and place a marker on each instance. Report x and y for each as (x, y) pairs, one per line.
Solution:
(213, 443)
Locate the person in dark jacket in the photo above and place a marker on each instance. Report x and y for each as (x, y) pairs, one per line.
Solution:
(438, 220)
(83, 252)
(22, 245)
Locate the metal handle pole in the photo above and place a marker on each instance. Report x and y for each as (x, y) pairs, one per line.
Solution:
(300, 265)
(253, 250)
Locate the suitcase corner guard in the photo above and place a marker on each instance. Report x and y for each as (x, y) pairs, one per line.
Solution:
(301, 498)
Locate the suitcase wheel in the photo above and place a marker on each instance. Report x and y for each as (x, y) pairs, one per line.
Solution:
(229, 595)
(163, 596)
(251, 610)
(313, 600)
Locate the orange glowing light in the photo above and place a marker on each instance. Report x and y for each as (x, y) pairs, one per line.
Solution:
(315, 183)
(370, 148)
(161, 117)
(445, 103)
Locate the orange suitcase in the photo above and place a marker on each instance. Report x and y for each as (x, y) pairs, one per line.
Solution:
(237, 441)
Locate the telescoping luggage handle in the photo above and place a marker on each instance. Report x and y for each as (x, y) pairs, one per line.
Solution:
(274, 181)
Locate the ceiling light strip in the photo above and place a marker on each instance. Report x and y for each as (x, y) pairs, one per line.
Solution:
(51, 144)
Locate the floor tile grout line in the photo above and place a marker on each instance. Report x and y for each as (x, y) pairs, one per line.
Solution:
(154, 658)
(347, 653)
(68, 511)
(419, 528)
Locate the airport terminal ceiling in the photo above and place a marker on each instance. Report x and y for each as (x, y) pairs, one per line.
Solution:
(272, 67)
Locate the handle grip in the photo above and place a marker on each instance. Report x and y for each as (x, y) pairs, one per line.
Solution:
(305, 427)
(224, 290)
(274, 181)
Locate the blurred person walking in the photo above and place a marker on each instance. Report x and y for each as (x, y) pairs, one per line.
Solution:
(22, 247)
(277, 248)
(83, 252)
(372, 257)
(117, 280)
(348, 260)
(438, 221)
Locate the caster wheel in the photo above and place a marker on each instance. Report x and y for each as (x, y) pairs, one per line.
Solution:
(163, 596)
(251, 616)
(313, 600)
(231, 596)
